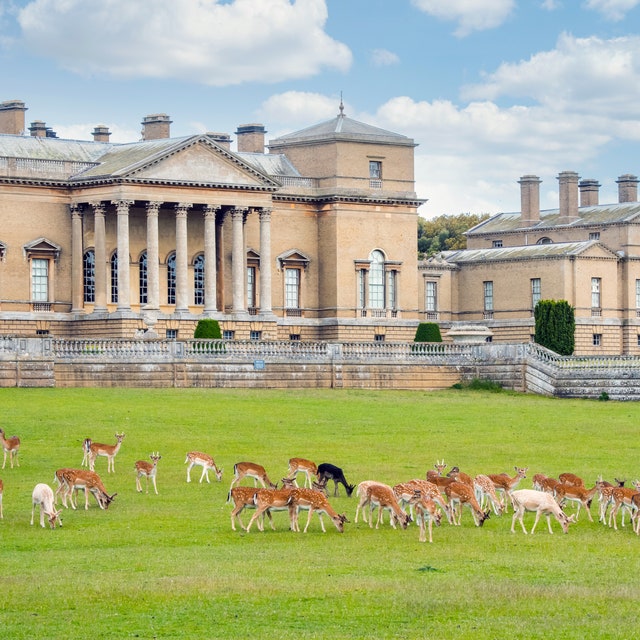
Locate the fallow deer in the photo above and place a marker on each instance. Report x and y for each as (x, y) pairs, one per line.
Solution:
(621, 499)
(461, 494)
(300, 465)
(426, 514)
(571, 479)
(251, 470)
(199, 459)
(485, 492)
(86, 451)
(314, 502)
(440, 466)
(267, 500)
(10, 447)
(328, 472)
(382, 496)
(460, 476)
(42, 497)
(362, 492)
(505, 484)
(147, 470)
(244, 498)
(578, 494)
(430, 490)
(72, 480)
(109, 451)
(543, 504)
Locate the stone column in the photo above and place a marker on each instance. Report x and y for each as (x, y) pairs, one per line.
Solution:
(210, 259)
(153, 258)
(265, 261)
(124, 279)
(182, 280)
(99, 240)
(238, 258)
(77, 254)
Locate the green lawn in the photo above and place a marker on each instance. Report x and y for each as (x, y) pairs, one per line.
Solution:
(169, 566)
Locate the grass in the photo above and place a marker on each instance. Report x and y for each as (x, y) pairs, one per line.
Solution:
(169, 566)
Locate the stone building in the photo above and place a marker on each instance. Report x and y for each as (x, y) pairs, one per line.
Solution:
(582, 252)
(309, 237)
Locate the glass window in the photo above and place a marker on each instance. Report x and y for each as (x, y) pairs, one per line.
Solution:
(376, 281)
(292, 288)
(391, 290)
(597, 339)
(294, 337)
(362, 289)
(171, 279)
(594, 235)
(251, 287)
(228, 334)
(379, 337)
(488, 295)
(637, 294)
(89, 276)
(114, 277)
(143, 278)
(198, 280)
(172, 334)
(375, 169)
(255, 335)
(536, 291)
(595, 293)
(431, 296)
(39, 280)
(496, 244)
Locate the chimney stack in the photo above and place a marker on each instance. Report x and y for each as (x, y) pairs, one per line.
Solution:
(101, 133)
(156, 126)
(530, 200)
(251, 138)
(38, 129)
(627, 188)
(12, 117)
(589, 192)
(568, 196)
(223, 139)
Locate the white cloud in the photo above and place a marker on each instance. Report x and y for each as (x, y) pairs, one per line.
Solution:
(612, 9)
(84, 132)
(298, 108)
(384, 58)
(471, 15)
(214, 43)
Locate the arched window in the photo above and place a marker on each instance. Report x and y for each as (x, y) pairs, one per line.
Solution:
(171, 279)
(114, 277)
(376, 281)
(198, 280)
(89, 275)
(545, 240)
(143, 278)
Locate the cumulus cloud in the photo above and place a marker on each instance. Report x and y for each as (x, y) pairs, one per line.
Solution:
(612, 9)
(384, 58)
(299, 108)
(471, 15)
(217, 43)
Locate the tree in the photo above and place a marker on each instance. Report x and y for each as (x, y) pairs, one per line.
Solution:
(207, 329)
(428, 332)
(445, 233)
(555, 326)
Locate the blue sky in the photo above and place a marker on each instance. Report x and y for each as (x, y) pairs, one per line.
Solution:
(489, 89)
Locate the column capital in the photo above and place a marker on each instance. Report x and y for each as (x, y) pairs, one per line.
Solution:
(264, 213)
(122, 206)
(98, 207)
(182, 208)
(211, 210)
(238, 211)
(76, 209)
(153, 207)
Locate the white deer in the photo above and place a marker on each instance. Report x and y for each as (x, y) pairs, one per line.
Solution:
(543, 504)
(42, 497)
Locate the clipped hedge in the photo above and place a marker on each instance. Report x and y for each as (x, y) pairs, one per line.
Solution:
(555, 326)
(208, 329)
(428, 332)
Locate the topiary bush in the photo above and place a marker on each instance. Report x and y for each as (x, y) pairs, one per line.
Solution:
(208, 329)
(555, 326)
(428, 332)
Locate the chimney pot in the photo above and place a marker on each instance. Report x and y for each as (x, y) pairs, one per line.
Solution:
(12, 117)
(38, 129)
(223, 139)
(627, 188)
(156, 126)
(530, 199)
(251, 138)
(589, 192)
(101, 133)
(568, 196)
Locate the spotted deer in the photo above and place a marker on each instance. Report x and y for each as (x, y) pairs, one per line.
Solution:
(42, 497)
(147, 470)
(251, 470)
(10, 447)
(204, 460)
(505, 484)
(109, 451)
(300, 465)
(460, 494)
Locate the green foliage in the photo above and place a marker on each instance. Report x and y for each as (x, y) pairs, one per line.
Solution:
(445, 233)
(208, 329)
(169, 566)
(428, 332)
(603, 397)
(477, 384)
(555, 326)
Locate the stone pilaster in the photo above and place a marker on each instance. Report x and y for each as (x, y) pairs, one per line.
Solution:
(77, 253)
(124, 278)
(182, 280)
(210, 259)
(100, 249)
(265, 261)
(238, 260)
(153, 257)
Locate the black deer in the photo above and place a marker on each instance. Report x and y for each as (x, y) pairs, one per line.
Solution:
(328, 472)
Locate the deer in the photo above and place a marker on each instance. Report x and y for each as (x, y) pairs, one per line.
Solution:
(430, 490)
(621, 498)
(327, 471)
(244, 498)
(315, 502)
(109, 451)
(505, 484)
(71, 480)
(426, 515)
(199, 459)
(42, 497)
(86, 451)
(362, 491)
(267, 500)
(571, 479)
(10, 447)
(576, 493)
(485, 492)
(382, 496)
(147, 470)
(300, 465)
(460, 476)
(251, 470)
(440, 466)
(543, 504)
(461, 493)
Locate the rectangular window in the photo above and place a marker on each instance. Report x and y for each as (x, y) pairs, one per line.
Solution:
(362, 289)
(496, 244)
(375, 169)
(595, 293)
(431, 297)
(595, 235)
(228, 334)
(638, 295)
(172, 334)
(391, 290)
(488, 295)
(251, 287)
(39, 280)
(639, 339)
(597, 339)
(294, 337)
(536, 292)
(255, 335)
(292, 288)
(379, 337)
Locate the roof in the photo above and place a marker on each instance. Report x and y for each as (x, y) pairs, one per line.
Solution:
(38, 148)
(342, 128)
(272, 164)
(528, 252)
(593, 215)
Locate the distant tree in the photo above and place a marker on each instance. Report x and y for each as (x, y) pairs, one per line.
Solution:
(555, 326)
(445, 233)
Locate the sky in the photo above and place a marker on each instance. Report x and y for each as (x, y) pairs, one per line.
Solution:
(490, 90)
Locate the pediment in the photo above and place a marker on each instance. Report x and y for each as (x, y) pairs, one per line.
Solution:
(293, 257)
(201, 163)
(41, 247)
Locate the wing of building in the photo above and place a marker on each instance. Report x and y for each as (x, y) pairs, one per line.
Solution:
(583, 252)
(314, 239)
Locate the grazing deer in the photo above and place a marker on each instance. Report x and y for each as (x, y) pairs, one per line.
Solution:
(244, 498)
(505, 484)
(382, 496)
(460, 476)
(300, 465)
(267, 500)
(440, 466)
(147, 470)
(109, 451)
(42, 497)
(426, 515)
(86, 451)
(571, 479)
(251, 470)
(10, 446)
(72, 480)
(543, 504)
(314, 502)
(362, 492)
(199, 459)
(485, 492)
(538, 480)
(621, 498)
(576, 493)
(460, 493)
(328, 472)
(430, 490)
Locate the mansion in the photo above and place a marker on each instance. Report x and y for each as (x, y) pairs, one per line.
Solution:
(311, 237)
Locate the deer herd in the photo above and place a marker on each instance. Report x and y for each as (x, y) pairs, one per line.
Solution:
(423, 501)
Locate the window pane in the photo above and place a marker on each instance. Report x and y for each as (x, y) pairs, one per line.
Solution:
(431, 297)
(595, 293)
(637, 294)
(198, 280)
(376, 281)
(536, 291)
(142, 278)
(89, 276)
(171, 279)
(375, 169)
(391, 289)
(292, 288)
(488, 296)
(114, 277)
(251, 286)
(39, 280)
